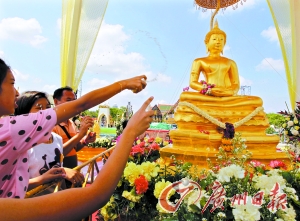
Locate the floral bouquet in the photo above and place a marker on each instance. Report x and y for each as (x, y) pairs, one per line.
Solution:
(105, 142)
(206, 87)
(291, 132)
(137, 193)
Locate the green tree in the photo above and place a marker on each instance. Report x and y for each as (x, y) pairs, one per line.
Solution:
(276, 119)
(117, 113)
(90, 113)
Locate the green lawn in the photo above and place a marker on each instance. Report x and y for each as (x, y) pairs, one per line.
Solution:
(108, 130)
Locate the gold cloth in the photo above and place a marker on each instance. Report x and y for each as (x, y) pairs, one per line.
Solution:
(197, 139)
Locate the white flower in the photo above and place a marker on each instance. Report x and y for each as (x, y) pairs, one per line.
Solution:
(77, 122)
(191, 198)
(294, 132)
(231, 171)
(221, 215)
(246, 212)
(288, 215)
(266, 183)
(291, 192)
(274, 172)
(290, 123)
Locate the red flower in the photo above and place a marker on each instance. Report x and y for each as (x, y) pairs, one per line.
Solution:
(141, 185)
(136, 149)
(154, 146)
(142, 144)
(150, 140)
(277, 164)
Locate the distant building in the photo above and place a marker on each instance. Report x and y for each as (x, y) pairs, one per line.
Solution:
(129, 111)
(168, 113)
(164, 108)
(104, 115)
(157, 117)
(115, 106)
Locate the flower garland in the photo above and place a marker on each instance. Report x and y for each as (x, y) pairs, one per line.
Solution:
(216, 121)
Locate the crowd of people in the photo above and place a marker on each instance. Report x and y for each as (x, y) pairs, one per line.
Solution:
(38, 144)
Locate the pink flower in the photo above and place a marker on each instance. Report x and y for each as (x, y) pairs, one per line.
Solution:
(255, 163)
(277, 164)
(141, 185)
(118, 138)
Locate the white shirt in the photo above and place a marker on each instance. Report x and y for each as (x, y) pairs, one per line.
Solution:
(43, 157)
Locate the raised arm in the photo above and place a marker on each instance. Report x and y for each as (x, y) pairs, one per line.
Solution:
(69, 109)
(76, 203)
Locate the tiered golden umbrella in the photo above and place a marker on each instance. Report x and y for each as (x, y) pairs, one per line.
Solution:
(215, 4)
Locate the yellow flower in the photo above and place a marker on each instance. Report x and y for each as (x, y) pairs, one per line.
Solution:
(286, 132)
(296, 127)
(284, 125)
(104, 210)
(158, 139)
(296, 121)
(131, 196)
(138, 142)
(165, 143)
(160, 209)
(150, 169)
(159, 186)
(132, 171)
(287, 118)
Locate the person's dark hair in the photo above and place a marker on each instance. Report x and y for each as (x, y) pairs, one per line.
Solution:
(124, 123)
(3, 71)
(58, 93)
(27, 99)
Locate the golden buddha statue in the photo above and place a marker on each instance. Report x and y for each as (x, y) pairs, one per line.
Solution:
(214, 103)
(217, 70)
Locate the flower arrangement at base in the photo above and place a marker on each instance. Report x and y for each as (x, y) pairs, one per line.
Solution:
(233, 188)
(236, 189)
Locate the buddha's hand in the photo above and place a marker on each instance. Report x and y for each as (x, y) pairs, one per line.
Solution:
(222, 92)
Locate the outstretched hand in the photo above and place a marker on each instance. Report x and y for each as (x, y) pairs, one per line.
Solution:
(53, 174)
(141, 120)
(86, 123)
(74, 176)
(136, 84)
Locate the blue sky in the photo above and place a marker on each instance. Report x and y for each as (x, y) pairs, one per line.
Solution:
(157, 38)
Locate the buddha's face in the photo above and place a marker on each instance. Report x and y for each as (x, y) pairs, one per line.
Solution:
(216, 42)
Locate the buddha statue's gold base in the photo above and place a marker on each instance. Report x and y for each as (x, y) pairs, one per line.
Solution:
(197, 138)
